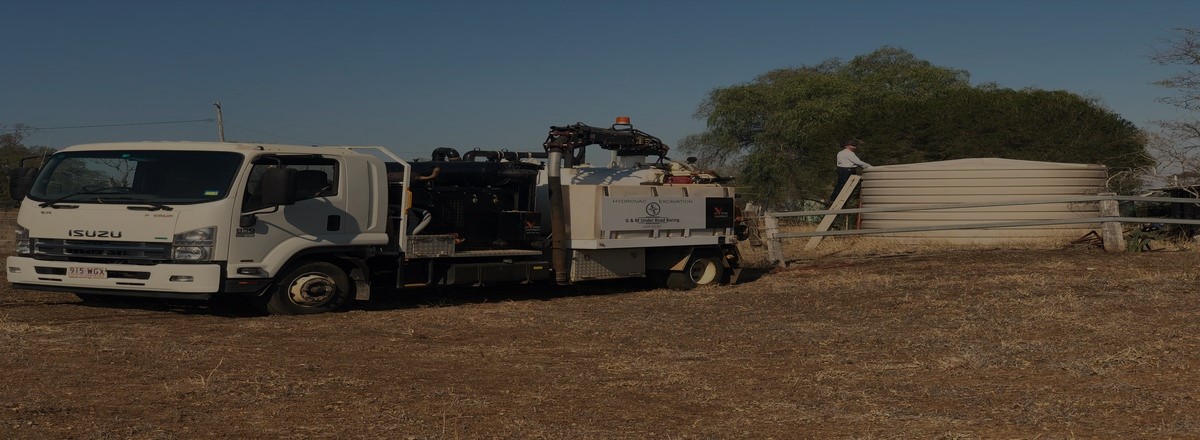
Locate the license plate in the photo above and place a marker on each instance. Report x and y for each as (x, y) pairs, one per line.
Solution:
(87, 272)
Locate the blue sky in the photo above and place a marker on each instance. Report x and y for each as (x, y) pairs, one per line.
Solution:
(417, 75)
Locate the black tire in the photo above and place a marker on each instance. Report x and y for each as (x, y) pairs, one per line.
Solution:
(700, 271)
(657, 278)
(314, 287)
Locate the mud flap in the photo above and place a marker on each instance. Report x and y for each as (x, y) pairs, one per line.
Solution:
(730, 253)
(362, 287)
(734, 274)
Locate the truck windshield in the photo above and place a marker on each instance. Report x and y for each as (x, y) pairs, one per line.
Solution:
(138, 176)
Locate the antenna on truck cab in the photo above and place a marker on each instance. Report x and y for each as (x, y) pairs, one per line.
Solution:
(220, 121)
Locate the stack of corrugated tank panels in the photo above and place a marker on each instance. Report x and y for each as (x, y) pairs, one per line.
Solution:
(982, 181)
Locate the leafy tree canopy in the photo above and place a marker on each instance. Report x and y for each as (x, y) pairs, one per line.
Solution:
(781, 131)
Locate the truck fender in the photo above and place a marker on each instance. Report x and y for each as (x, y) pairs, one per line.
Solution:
(355, 267)
(360, 275)
(670, 259)
(676, 259)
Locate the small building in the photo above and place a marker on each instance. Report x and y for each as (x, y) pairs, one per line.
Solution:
(980, 181)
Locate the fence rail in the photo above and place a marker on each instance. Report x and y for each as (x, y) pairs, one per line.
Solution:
(1013, 224)
(1110, 219)
(1076, 199)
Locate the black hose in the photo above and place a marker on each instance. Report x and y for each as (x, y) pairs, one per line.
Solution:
(425, 216)
(493, 156)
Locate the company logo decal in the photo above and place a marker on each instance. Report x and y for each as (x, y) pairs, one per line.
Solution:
(654, 215)
(93, 234)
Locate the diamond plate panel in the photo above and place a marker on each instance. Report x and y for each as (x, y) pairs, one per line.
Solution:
(601, 264)
(430, 245)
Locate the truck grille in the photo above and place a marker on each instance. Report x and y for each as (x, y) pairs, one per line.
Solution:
(94, 251)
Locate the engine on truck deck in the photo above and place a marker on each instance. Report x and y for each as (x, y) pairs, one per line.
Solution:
(488, 204)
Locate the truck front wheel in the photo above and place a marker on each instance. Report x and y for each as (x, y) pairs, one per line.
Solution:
(314, 287)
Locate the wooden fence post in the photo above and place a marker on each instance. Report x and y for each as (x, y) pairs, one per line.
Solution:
(1112, 232)
(753, 217)
(774, 243)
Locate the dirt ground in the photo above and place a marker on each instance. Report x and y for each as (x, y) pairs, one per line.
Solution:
(949, 344)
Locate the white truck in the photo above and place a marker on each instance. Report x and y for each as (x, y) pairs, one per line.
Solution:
(302, 229)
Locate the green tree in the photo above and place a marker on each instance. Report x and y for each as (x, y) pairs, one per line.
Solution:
(779, 132)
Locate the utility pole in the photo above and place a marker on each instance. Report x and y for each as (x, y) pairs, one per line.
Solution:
(220, 121)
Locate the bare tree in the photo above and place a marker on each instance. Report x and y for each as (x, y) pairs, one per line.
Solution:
(13, 136)
(1176, 146)
(1182, 53)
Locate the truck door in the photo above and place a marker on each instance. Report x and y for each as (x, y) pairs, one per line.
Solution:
(318, 218)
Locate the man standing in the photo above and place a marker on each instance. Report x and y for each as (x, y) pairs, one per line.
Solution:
(847, 161)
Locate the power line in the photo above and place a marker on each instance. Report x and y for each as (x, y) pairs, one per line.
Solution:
(124, 124)
(272, 134)
(187, 121)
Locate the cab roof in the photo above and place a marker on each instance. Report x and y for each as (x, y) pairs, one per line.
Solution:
(211, 146)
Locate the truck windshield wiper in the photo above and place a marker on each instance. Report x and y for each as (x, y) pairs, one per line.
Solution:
(150, 206)
(108, 190)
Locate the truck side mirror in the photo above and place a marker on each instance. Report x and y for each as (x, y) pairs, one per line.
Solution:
(278, 186)
(20, 180)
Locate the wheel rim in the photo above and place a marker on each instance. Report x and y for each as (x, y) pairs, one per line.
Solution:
(312, 289)
(702, 271)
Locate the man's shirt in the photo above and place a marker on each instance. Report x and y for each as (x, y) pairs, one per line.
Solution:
(847, 159)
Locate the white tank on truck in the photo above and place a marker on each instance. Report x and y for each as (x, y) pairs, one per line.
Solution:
(299, 229)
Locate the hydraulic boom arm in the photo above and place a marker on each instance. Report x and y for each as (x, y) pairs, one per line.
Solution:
(621, 137)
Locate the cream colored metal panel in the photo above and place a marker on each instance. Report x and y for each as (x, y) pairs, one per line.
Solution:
(672, 191)
(1017, 192)
(919, 223)
(941, 216)
(1007, 234)
(871, 200)
(1048, 207)
(709, 191)
(581, 207)
(981, 181)
(629, 191)
(990, 163)
(982, 174)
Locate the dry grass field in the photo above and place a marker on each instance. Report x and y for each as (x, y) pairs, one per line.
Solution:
(934, 344)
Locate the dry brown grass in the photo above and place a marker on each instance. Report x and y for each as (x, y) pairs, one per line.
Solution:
(878, 245)
(946, 344)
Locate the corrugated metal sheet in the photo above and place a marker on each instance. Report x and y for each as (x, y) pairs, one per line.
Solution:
(976, 181)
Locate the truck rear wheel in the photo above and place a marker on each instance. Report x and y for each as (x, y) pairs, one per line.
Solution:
(314, 287)
(700, 271)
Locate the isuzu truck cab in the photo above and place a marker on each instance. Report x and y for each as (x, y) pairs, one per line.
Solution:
(190, 220)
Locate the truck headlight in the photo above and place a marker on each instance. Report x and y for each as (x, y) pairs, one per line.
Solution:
(191, 253)
(21, 239)
(194, 245)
